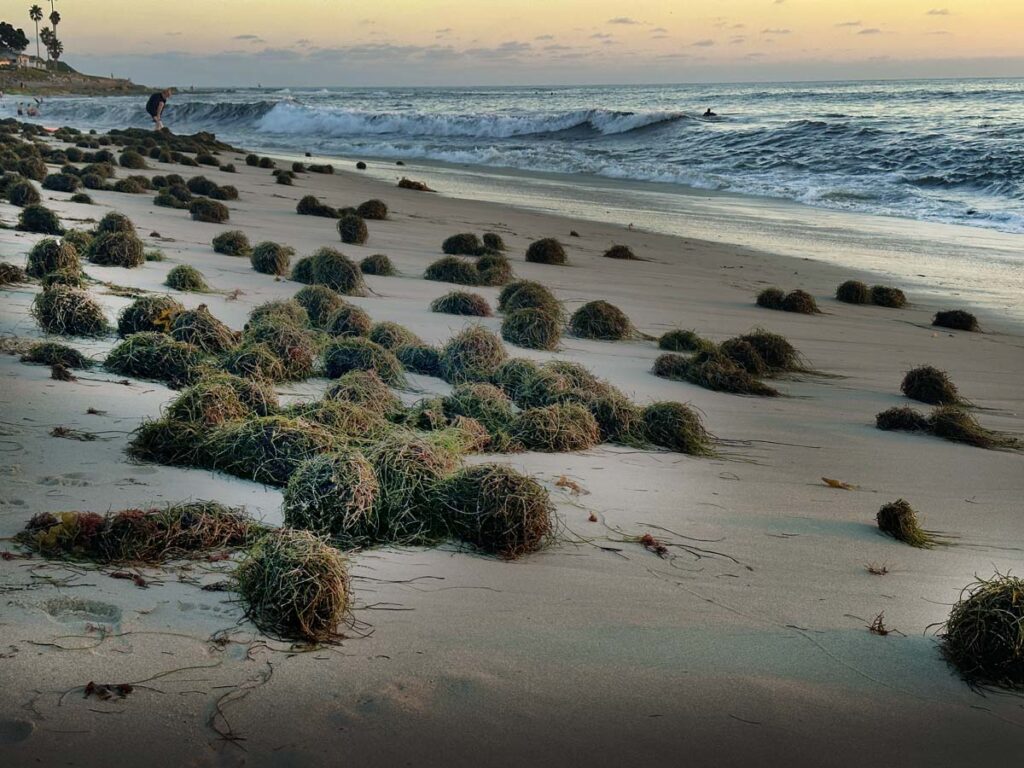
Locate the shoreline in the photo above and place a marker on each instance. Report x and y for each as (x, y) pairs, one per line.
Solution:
(594, 650)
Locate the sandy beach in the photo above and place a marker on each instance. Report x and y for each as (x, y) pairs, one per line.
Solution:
(747, 644)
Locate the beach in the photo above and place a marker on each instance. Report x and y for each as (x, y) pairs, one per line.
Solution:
(748, 643)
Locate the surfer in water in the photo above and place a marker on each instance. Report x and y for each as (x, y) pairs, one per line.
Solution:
(155, 107)
(709, 113)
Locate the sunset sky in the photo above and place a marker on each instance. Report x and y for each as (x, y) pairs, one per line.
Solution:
(350, 42)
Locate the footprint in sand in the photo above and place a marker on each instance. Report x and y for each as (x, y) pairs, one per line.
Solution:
(13, 731)
(70, 480)
(71, 609)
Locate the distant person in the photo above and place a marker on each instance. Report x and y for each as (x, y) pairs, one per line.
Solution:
(155, 107)
(709, 113)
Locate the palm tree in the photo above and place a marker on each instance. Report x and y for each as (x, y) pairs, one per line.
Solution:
(36, 14)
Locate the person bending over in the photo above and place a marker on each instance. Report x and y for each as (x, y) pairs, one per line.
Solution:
(155, 107)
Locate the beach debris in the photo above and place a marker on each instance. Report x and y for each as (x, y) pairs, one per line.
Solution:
(39, 218)
(571, 485)
(983, 638)
(877, 570)
(333, 495)
(463, 244)
(60, 372)
(557, 428)
(234, 242)
(621, 252)
(417, 186)
(683, 341)
(136, 578)
(955, 424)
(532, 328)
(462, 303)
(294, 586)
(377, 264)
(902, 418)
(12, 274)
(50, 255)
(270, 258)
(546, 251)
(107, 691)
(52, 353)
(493, 242)
(185, 277)
(677, 427)
(134, 535)
(358, 354)
(527, 294)
(877, 626)
(374, 210)
(956, 319)
(154, 355)
(651, 544)
(853, 292)
(887, 296)
(795, 301)
(838, 484)
(899, 520)
(311, 206)
(201, 329)
(930, 385)
(69, 311)
(474, 354)
(320, 303)
(209, 211)
(334, 269)
(498, 510)
(600, 320)
(392, 335)
(352, 229)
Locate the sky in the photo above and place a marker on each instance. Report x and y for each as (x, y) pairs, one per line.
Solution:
(508, 42)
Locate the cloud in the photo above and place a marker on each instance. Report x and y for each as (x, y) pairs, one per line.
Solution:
(870, 31)
(600, 36)
(246, 37)
(737, 40)
(544, 37)
(849, 24)
(703, 44)
(506, 50)
(659, 30)
(172, 34)
(443, 31)
(776, 31)
(938, 12)
(624, 20)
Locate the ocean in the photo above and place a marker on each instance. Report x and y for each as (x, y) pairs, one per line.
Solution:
(945, 150)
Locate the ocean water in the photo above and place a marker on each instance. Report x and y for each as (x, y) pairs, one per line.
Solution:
(940, 151)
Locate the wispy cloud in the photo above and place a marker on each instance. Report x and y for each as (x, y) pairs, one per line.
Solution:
(849, 24)
(624, 20)
(776, 31)
(246, 37)
(703, 44)
(938, 12)
(870, 31)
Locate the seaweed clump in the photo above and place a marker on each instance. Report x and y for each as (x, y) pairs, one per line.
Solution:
(271, 258)
(957, 319)
(546, 251)
(232, 243)
(853, 292)
(311, 206)
(209, 211)
(527, 294)
(984, 634)
(621, 252)
(185, 277)
(117, 249)
(334, 269)
(375, 210)
(268, 449)
(49, 256)
(930, 385)
(463, 244)
(359, 354)
(320, 303)
(958, 426)
(352, 229)
(887, 296)
(153, 355)
(472, 355)
(52, 353)
(149, 313)
(461, 303)
(377, 264)
(12, 274)
(333, 495)
(677, 427)
(682, 341)
(39, 218)
(367, 390)
(497, 510)
(777, 353)
(152, 535)
(899, 520)
(295, 586)
(902, 419)
(558, 428)
(201, 329)
(532, 329)
(600, 320)
(69, 311)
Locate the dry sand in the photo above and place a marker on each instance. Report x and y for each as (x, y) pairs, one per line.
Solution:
(593, 652)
